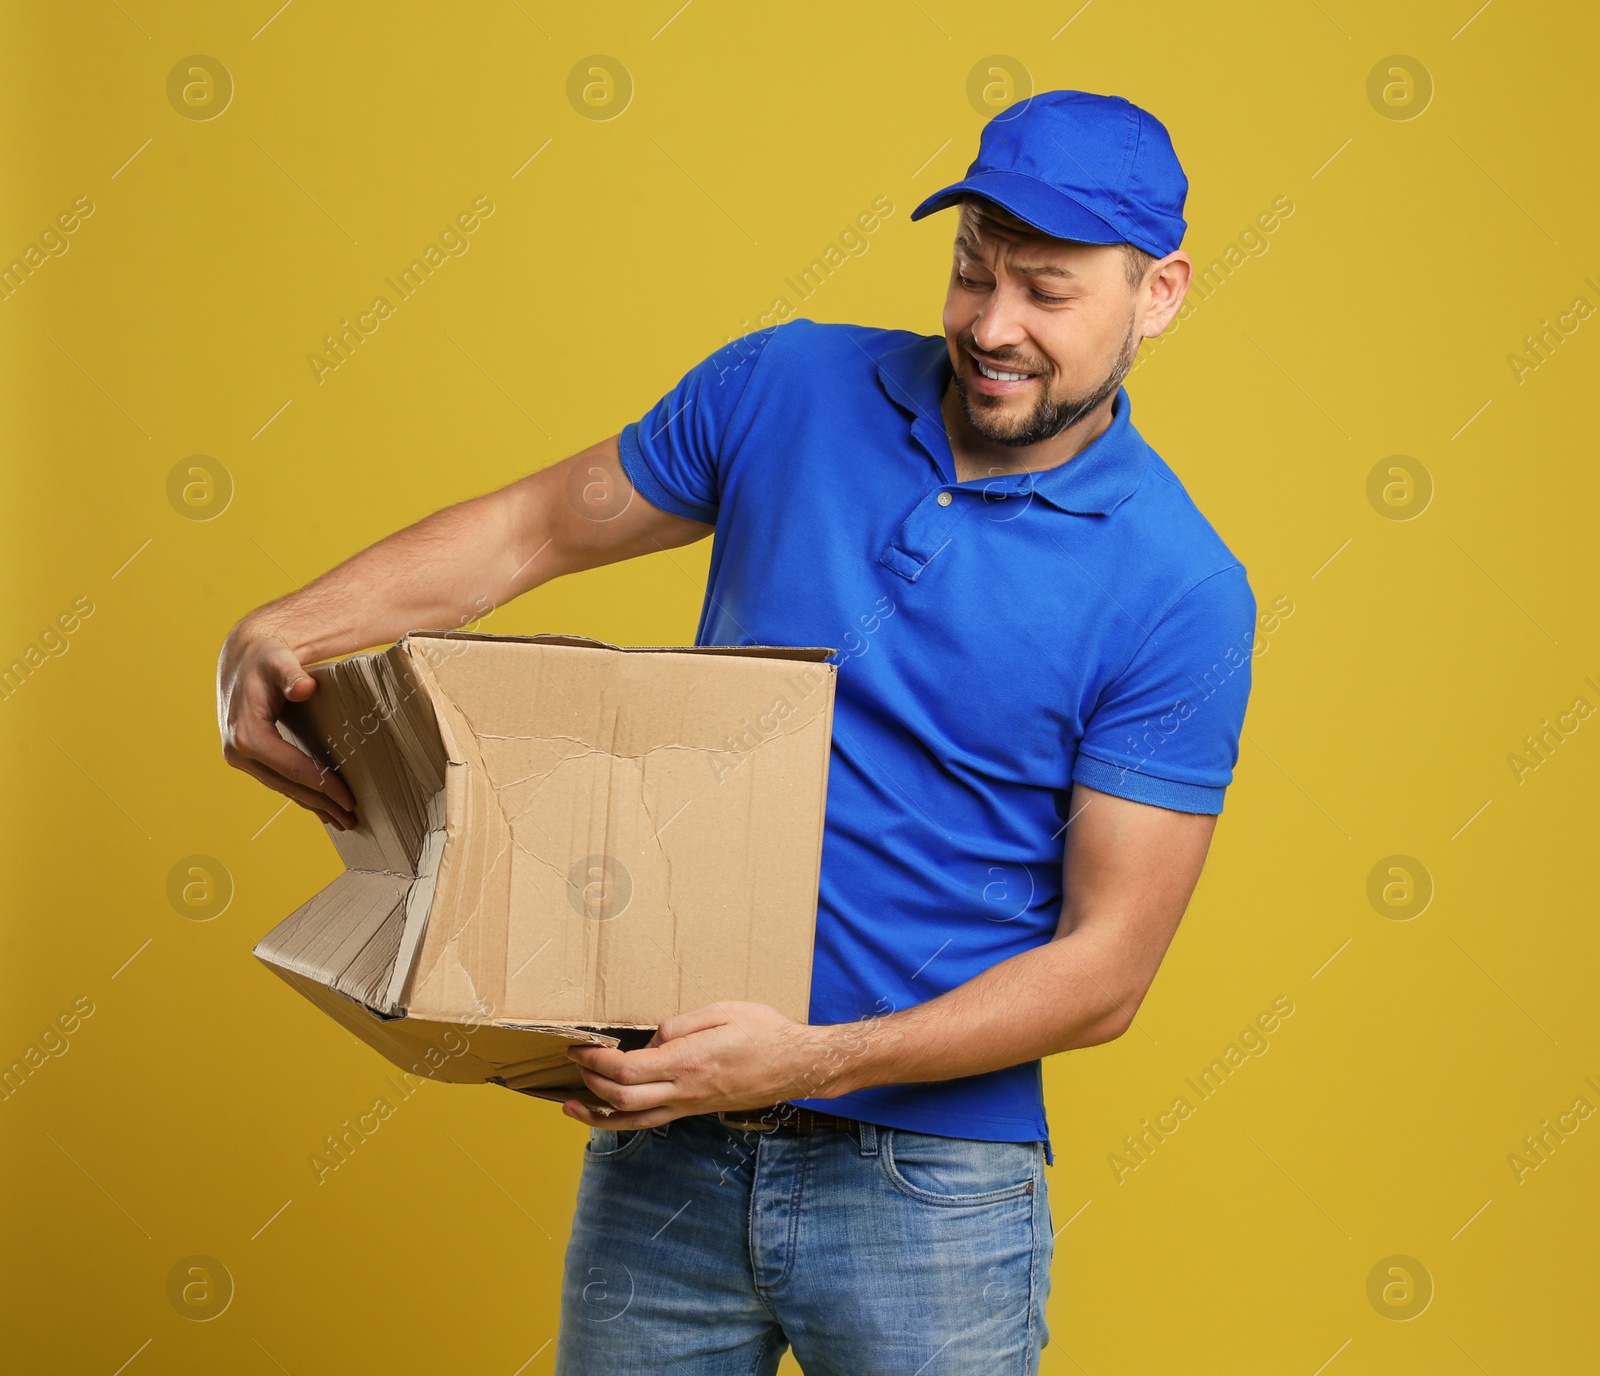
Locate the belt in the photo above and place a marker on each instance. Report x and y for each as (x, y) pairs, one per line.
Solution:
(785, 1118)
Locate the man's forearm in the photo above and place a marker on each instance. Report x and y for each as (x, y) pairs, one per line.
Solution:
(1071, 992)
(462, 563)
(451, 568)
(1128, 873)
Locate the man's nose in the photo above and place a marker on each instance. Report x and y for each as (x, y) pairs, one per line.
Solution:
(999, 323)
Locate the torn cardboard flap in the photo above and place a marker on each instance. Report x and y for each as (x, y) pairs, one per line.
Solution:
(560, 841)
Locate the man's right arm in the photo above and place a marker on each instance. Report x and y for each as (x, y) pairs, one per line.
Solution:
(451, 568)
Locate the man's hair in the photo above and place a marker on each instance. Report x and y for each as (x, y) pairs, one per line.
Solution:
(1135, 260)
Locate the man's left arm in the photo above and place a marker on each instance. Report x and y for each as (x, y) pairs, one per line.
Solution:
(1129, 871)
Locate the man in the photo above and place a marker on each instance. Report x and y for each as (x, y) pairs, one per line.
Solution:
(1044, 660)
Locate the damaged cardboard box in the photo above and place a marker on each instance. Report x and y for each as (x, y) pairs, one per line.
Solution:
(560, 841)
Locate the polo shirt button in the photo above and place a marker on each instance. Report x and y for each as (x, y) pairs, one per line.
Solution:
(945, 499)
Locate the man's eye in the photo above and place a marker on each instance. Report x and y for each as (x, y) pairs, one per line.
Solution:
(968, 282)
(1044, 299)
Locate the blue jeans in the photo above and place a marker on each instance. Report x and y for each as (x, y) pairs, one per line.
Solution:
(706, 1251)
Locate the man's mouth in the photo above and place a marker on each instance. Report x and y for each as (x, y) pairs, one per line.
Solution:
(998, 376)
(995, 381)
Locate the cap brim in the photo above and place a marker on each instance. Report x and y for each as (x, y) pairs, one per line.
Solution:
(1033, 202)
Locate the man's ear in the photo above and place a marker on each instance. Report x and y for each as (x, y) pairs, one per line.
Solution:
(1168, 285)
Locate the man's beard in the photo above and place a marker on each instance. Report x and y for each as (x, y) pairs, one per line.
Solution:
(1050, 415)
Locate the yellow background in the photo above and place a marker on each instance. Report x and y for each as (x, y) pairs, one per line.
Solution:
(1379, 322)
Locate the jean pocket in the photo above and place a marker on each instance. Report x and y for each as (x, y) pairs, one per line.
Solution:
(606, 1144)
(957, 1170)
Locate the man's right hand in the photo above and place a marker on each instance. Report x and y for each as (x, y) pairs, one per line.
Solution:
(256, 675)
(449, 569)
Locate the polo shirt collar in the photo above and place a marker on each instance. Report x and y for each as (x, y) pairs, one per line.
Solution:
(1092, 482)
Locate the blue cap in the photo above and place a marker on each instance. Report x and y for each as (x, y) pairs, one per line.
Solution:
(1096, 169)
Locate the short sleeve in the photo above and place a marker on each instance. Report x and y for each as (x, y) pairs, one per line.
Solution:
(1166, 732)
(676, 453)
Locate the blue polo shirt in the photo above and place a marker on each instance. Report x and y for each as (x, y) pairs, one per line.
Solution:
(998, 640)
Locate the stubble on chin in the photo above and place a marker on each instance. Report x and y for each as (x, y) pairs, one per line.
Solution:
(1049, 416)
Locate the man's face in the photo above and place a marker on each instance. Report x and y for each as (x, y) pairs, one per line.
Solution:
(1055, 319)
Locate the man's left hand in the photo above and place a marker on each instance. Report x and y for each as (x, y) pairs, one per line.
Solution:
(723, 1056)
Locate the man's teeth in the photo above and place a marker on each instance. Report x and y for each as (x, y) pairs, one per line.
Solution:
(998, 376)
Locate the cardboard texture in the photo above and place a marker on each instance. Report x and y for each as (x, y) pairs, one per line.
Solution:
(560, 841)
